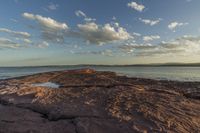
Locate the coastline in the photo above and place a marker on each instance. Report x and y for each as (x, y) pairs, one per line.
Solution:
(101, 102)
(189, 74)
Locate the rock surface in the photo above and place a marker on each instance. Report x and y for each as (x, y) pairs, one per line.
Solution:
(89, 101)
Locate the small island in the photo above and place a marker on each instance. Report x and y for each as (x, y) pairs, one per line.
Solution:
(89, 101)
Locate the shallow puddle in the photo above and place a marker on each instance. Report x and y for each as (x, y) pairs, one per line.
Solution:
(47, 84)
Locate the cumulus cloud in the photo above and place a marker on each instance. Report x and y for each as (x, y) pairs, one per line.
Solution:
(15, 33)
(51, 29)
(150, 22)
(173, 25)
(98, 34)
(183, 46)
(185, 42)
(46, 22)
(25, 41)
(19, 39)
(136, 6)
(54, 31)
(8, 44)
(80, 13)
(151, 38)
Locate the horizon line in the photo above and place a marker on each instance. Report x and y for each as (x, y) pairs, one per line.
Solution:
(149, 64)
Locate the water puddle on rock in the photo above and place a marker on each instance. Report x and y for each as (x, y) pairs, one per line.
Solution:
(47, 84)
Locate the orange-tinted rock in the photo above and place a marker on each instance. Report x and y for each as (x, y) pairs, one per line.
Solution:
(89, 101)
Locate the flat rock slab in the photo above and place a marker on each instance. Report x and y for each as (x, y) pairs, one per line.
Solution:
(19, 120)
(88, 101)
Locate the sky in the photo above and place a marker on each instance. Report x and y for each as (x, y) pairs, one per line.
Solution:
(109, 32)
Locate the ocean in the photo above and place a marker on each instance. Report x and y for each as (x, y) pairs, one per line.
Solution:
(160, 73)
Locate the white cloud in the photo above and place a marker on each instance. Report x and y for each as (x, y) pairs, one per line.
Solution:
(42, 44)
(130, 48)
(15, 33)
(150, 22)
(151, 38)
(19, 39)
(80, 13)
(136, 34)
(174, 25)
(107, 52)
(29, 16)
(88, 19)
(27, 41)
(98, 34)
(56, 32)
(183, 46)
(51, 29)
(46, 22)
(186, 45)
(8, 44)
(51, 7)
(136, 6)
(88, 27)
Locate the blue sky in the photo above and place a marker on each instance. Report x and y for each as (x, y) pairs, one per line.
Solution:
(66, 32)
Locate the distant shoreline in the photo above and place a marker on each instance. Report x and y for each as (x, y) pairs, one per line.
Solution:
(131, 65)
(123, 75)
(174, 73)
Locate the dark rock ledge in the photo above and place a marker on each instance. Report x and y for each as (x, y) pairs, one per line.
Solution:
(89, 101)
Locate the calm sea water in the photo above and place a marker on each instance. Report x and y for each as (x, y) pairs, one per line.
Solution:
(161, 73)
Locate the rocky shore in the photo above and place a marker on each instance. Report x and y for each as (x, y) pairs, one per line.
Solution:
(88, 101)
